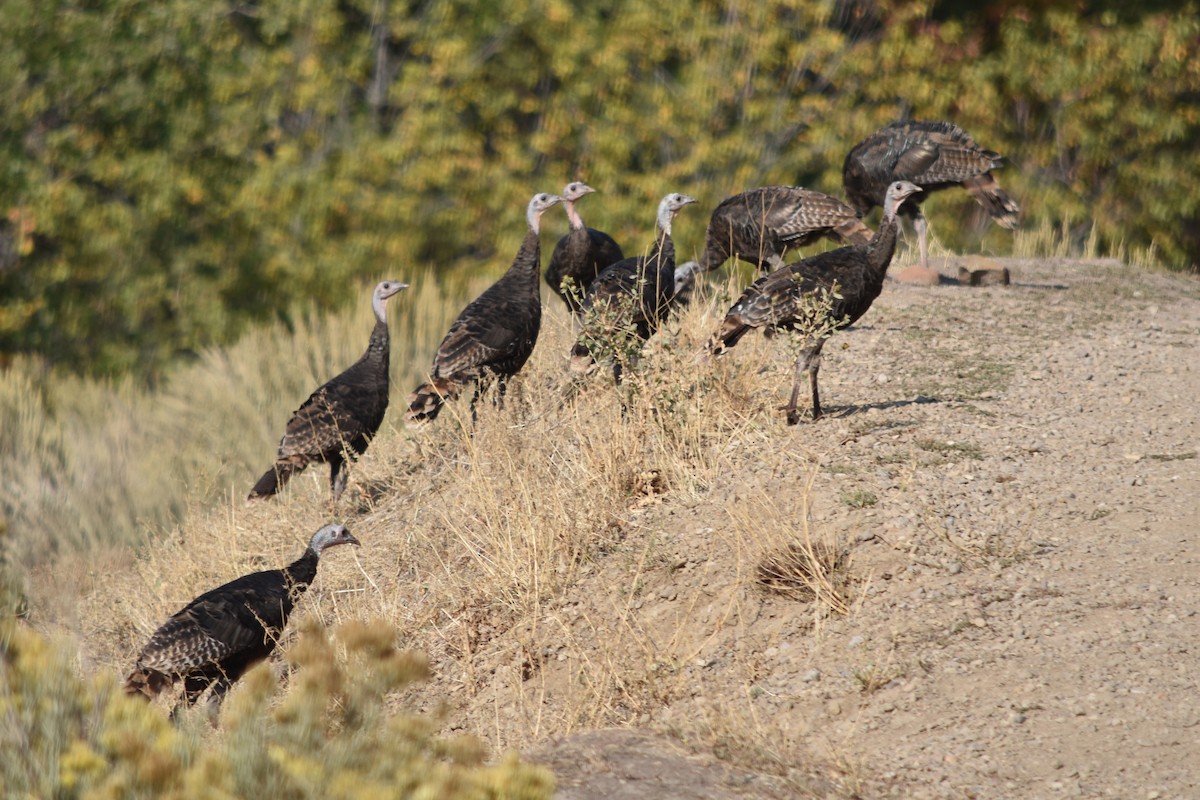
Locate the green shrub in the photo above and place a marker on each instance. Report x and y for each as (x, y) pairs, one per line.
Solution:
(330, 734)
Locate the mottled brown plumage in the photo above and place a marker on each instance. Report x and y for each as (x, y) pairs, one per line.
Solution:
(635, 292)
(495, 334)
(215, 638)
(761, 226)
(336, 423)
(580, 255)
(852, 277)
(932, 155)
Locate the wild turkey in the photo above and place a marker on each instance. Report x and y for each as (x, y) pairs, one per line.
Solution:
(581, 254)
(337, 422)
(761, 225)
(685, 283)
(789, 298)
(934, 156)
(635, 292)
(215, 638)
(495, 333)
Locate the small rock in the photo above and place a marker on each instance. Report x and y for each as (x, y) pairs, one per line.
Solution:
(954, 568)
(1016, 718)
(983, 273)
(812, 676)
(866, 536)
(855, 641)
(919, 276)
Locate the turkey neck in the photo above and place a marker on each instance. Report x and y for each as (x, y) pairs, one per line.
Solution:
(300, 573)
(378, 349)
(524, 269)
(882, 247)
(663, 253)
(573, 218)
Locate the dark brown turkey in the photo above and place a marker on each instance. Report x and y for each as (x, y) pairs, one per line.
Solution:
(787, 299)
(495, 333)
(337, 422)
(215, 638)
(581, 254)
(761, 225)
(635, 293)
(934, 156)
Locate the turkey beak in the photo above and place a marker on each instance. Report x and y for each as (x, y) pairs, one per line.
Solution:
(351, 540)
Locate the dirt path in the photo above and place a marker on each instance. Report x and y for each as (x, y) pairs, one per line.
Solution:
(1014, 473)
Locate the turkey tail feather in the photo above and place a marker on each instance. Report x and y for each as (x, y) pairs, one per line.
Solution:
(427, 400)
(727, 337)
(146, 683)
(272, 480)
(996, 202)
(853, 232)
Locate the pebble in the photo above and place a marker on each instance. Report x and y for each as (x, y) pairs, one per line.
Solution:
(812, 676)
(855, 641)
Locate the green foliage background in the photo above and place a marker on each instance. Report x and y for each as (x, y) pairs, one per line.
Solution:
(172, 173)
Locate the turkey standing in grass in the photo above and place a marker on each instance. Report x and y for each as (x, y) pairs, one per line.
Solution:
(580, 255)
(934, 156)
(645, 283)
(494, 335)
(790, 298)
(761, 225)
(215, 638)
(336, 423)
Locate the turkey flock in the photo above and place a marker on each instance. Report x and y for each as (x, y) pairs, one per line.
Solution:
(216, 637)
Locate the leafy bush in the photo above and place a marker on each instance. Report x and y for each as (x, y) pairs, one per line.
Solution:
(328, 736)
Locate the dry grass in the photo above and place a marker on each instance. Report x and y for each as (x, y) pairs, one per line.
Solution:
(528, 554)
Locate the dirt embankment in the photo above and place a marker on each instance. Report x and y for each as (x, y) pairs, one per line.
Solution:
(1013, 471)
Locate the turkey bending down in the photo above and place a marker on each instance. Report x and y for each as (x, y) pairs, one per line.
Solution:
(934, 156)
(580, 255)
(641, 287)
(337, 422)
(215, 638)
(761, 225)
(495, 333)
(852, 277)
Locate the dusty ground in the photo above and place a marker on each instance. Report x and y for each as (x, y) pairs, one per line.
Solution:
(1013, 472)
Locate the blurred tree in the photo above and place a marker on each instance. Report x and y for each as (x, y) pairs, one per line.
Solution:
(175, 172)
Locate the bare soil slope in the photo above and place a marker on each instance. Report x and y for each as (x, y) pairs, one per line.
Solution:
(1013, 471)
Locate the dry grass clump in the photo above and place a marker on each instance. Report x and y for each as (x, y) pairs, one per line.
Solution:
(789, 556)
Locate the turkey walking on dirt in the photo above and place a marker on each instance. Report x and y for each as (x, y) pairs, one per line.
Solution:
(815, 296)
